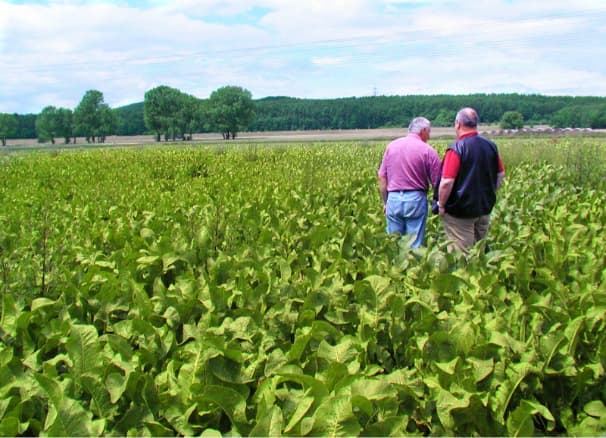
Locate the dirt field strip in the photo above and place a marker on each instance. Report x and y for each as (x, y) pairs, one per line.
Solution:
(318, 135)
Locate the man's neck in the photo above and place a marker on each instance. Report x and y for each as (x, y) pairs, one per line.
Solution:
(466, 132)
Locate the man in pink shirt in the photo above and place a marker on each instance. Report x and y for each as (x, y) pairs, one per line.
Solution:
(408, 167)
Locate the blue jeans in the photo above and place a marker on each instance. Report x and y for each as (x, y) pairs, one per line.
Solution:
(406, 213)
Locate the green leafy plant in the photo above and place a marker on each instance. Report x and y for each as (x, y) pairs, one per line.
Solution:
(206, 292)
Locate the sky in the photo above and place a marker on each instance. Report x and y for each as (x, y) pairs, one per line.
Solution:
(52, 52)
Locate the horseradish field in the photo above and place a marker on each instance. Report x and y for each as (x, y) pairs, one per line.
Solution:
(251, 289)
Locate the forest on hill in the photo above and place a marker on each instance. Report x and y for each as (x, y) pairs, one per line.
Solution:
(283, 113)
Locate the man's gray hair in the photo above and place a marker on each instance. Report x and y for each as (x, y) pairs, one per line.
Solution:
(468, 117)
(418, 124)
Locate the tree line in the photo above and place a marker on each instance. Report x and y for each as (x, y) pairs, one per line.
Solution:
(286, 113)
(166, 112)
(170, 114)
(92, 119)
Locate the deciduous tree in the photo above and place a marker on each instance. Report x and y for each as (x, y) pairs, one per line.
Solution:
(8, 126)
(512, 120)
(187, 115)
(161, 109)
(65, 124)
(93, 117)
(47, 124)
(230, 110)
(54, 122)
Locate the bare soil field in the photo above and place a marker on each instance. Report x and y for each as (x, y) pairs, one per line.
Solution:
(383, 134)
(320, 135)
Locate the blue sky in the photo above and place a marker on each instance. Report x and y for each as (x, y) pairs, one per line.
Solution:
(52, 52)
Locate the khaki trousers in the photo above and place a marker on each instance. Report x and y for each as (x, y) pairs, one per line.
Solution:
(465, 232)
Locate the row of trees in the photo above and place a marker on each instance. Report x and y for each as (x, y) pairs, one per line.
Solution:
(166, 112)
(92, 119)
(170, 114)
(17, 126)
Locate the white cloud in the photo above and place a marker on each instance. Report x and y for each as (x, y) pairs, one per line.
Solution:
(329, 60)
(51, 53)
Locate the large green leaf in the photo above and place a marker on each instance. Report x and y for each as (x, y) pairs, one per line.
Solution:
(302, 338)
(271, 424)
(464, 336)
(514, 376)
(481, 368)
(66, 417)
(446, 403)
(334, 417)
(312, 386)
(195, 356)
(101, 400)
(231, 402)
(8, 321)
(374, 388)
(521, 420)
(506, 341)
(572, 331)
(179, 417)
(84, 350)
(344, 352)
(42, 302)
(390, 426)
(595, 409)
(303, 406)
(116, 385)
(11, 426)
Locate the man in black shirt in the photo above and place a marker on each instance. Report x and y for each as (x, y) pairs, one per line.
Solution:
(472, 172)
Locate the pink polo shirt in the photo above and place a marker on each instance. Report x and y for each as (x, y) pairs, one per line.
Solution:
(410, 164)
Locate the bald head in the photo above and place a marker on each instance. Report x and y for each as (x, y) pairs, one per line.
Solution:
(467, 117)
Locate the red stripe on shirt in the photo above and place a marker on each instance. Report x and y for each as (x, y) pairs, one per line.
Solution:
(452, 162)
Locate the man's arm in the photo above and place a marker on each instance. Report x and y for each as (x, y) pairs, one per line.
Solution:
(435, 170)
(383, 188)
(446, 185)
(501, 173)
(500, 177)
(450, 169)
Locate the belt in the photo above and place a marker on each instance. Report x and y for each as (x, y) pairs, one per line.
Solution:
(407, 190)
